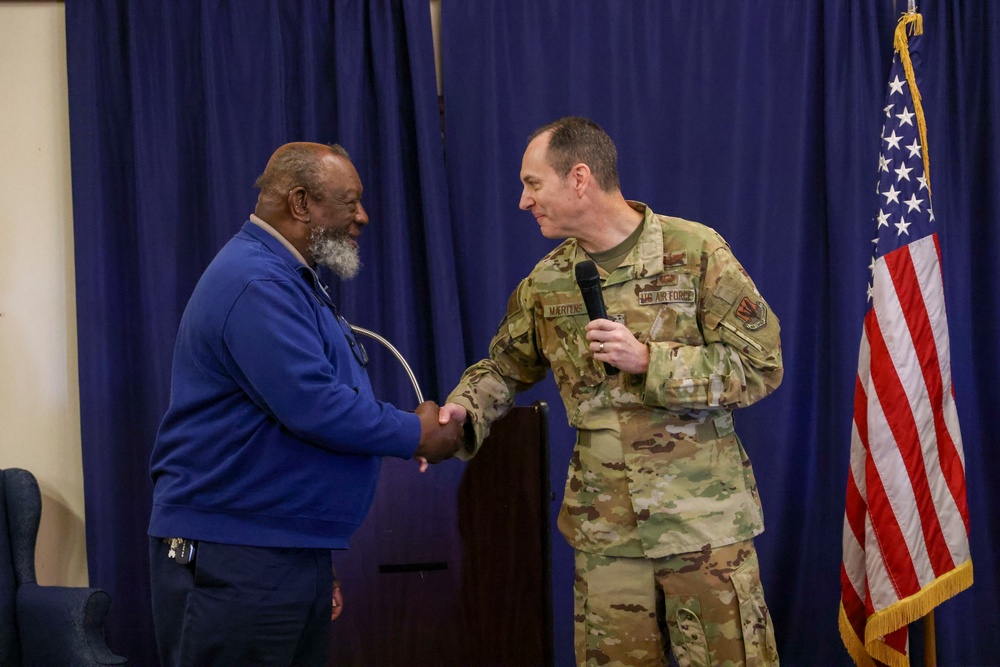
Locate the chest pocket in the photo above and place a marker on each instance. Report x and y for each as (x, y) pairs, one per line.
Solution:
(562, 320)
(661, 308)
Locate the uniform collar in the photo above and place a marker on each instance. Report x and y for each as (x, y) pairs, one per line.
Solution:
(645, 259)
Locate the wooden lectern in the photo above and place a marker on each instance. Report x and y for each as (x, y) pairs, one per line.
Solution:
(452, 568)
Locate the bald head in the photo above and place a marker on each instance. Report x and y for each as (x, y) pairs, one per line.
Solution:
(296, 164)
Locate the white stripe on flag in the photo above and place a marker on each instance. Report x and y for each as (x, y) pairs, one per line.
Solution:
(880, 584)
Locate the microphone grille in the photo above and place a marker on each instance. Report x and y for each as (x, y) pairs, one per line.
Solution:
(586, 272)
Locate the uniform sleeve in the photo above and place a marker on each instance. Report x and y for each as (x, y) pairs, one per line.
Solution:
(740, 360)
(488, 388)
(277, 353)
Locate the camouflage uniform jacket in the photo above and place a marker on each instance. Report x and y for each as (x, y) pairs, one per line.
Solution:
(657, 469)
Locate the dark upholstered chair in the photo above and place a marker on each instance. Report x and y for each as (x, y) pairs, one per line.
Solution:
(42, 625)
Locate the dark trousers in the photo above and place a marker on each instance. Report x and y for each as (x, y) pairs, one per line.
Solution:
(238, 605)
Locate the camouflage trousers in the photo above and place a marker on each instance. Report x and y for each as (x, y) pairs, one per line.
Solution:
(706, 607)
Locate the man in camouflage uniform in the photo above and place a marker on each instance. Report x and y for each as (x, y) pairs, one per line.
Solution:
(661, 505)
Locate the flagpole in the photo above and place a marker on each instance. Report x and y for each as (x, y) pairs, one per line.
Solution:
(930, 641)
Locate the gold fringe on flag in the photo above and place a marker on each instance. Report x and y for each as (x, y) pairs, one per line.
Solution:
(855, 646)
(898, 615)
(901, 43)
(910, 609)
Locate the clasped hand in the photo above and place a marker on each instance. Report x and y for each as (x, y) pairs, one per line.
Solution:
(437, 441)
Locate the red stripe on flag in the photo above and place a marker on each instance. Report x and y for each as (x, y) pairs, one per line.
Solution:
(854, 606)
(861, 411)
(855, 512)
(895, 552)
(904, 429)
(920, 329)
(954, 473)
(952, 466)
(897, 640)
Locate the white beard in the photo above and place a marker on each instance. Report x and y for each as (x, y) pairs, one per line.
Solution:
(332, 248)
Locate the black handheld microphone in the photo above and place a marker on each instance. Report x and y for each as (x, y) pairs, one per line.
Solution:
(590, 285)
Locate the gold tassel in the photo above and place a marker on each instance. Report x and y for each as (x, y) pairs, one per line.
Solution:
(900, 42)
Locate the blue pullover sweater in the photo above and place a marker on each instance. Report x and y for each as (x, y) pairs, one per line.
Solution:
(273, 436)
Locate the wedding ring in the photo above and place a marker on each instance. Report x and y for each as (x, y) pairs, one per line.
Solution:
(602, 346)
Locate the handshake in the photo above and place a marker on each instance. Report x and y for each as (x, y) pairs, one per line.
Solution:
(442, 431)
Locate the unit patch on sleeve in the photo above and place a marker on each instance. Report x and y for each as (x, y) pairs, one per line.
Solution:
(753, 314)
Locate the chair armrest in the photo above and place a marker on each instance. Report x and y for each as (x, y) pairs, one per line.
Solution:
(60, 625)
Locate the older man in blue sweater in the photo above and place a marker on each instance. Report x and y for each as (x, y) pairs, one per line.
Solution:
(268, 455)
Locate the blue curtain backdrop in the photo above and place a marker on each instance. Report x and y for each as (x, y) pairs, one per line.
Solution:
(175, 108)
(762, 120)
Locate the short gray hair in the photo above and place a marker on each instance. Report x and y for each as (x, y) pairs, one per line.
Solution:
(293, 165)
(575, 139)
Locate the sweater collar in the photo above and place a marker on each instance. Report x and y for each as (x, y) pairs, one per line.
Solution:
(276, 234)
(645, 258)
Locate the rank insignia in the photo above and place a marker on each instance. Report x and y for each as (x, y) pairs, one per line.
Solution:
(666, 279)
(675, 258)
(753, 314)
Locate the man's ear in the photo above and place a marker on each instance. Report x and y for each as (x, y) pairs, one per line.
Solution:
(580, 178)
(298, 203)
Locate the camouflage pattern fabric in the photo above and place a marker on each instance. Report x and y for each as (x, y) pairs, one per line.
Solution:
(707, 607)
(657, 469)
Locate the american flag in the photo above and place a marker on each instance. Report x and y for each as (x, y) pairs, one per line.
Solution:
(906, 524)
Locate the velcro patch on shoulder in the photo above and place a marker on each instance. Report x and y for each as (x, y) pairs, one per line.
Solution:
(725, 295)
(728, 290)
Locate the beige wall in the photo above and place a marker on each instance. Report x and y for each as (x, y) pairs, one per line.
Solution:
(39, 396)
